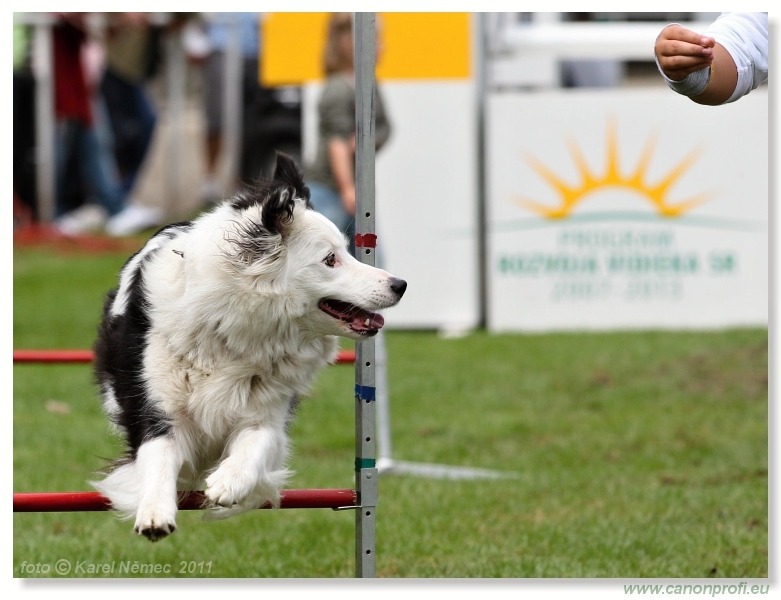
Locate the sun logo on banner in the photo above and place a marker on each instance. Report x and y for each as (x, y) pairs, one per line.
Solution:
(590, 181)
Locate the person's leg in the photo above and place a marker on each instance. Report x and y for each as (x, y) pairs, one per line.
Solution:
(212, 97)
(64, 143)
(133, 119)
(77, 147)
(98, 165)
(327, 201)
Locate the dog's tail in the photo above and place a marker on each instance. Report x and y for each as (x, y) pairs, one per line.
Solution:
(121, 486)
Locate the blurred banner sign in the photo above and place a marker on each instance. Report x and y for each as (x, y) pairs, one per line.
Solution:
(426, 180)
(412, 46)
(629, 209)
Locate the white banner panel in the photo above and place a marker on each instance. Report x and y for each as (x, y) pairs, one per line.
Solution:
(427, 190)
(633, 209)
(426, 199)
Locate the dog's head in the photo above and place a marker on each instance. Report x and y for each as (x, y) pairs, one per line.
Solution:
(286, 253)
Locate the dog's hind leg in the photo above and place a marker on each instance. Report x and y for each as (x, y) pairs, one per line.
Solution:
(253, 471)
(157, 464)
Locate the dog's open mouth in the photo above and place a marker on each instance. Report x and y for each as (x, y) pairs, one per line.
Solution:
(359, 320)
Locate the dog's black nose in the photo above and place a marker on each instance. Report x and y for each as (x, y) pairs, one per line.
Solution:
(398, 286)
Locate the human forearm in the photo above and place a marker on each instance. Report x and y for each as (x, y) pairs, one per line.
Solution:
(722, 81)
(695, 65)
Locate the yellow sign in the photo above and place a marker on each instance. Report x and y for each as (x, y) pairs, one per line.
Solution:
(415, 46)
(572, 195)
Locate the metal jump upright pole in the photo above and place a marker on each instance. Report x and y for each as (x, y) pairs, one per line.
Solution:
(366, 472)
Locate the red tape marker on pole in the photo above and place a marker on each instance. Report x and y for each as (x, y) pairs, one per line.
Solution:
(365, 240)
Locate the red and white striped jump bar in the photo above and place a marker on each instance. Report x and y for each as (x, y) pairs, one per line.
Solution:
(86, 356)
(94, 501)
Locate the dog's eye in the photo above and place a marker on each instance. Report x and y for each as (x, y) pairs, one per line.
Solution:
(330, 260)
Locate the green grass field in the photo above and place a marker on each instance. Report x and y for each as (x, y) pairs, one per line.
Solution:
(637, 455)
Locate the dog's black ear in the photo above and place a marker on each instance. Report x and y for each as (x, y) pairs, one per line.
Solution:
(289, 183)
(275, 196)
(278, 209)
(288, 172)
(259, 239)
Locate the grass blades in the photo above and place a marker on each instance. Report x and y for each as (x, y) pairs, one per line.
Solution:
(637, 454)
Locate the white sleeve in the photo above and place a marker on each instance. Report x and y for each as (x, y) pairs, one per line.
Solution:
(745, 37)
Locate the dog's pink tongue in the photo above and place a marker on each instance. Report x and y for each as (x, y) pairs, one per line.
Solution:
(366, 321)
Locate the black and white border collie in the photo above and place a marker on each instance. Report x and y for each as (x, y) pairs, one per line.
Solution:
(215, 329)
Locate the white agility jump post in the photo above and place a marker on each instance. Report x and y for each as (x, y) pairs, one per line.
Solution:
(387, 465)
(366, 473)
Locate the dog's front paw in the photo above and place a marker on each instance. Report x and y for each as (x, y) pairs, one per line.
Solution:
(154, 524)
(229, 485)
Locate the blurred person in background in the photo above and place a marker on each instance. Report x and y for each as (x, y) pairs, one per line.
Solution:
(270, 116)
(331, 175)
(23, 130)
(720, 65)
(132, 56)
(208, 45)
(81, 145)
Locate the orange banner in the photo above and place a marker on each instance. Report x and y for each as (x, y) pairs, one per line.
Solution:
(413, 46)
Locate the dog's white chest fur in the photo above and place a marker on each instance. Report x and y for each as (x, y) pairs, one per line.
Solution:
(216, 328)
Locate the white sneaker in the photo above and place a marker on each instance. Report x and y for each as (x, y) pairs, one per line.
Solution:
(195, 40)
(86, 218)
(133, 219)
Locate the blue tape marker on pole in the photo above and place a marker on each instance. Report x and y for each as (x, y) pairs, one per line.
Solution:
(365, 392)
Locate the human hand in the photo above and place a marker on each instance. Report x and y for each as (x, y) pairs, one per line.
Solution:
(680, 51)
(348, 199)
